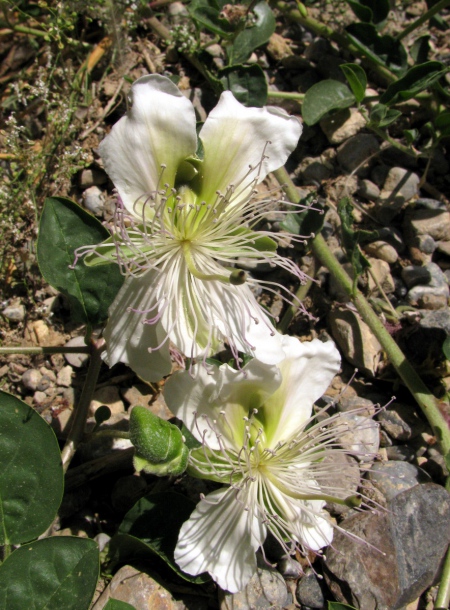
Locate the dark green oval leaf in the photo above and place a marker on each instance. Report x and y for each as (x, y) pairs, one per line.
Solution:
(50, 574)
(323, 97)
(254, 36)
(247, 84)
(415, 80)
(356, 78)
(115, 604)
(374, 11)
(208, 14)
(64, 227)
(152, 526)
(31, 475)
(420, 49)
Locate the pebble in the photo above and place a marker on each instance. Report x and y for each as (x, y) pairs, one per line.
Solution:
(64, 377)
(352, 153)
(368, 189)
(436, 320)
(309, 592)
(383, 251)
(61, 423)
(94, 200)
(430, 204)
(39, 397)
(14, 312)
(313, 171)
(405, 547)
(76, 360)
(357, 342)
(31, 379)
(401, 422)
(425, 221)
(391, 478)
(266, 590)
(92, 177)
(400, 186)
(402, 453)
(140, 591)
(364, 406)
(362, 438)
(381, 271)
(393, 237)
(427, 281)
(342, 125)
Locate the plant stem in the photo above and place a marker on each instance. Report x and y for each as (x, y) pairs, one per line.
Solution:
(22, 29)
(80, 415)
(427, 15)
(300, 296)
(321, 29)
(443, 596)
(285, 95)
(111, 434)
(425, 399)
(44, 350)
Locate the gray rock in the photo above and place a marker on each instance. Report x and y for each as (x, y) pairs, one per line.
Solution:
(140, 591)
(392, 236)
(93, 200)
(289, 567)
(436, 320)
(349, 479)
(364, 406)
(362, 438)
(357, 342)
(425, 221)
(405, 547)
(401, 422)
(401, 453)
(39, 397)
(309, 592)
(430, 204)
(265, 591)
(368, 189)
(391, 478)
(436, 286)
(400, 186)
(342, 125)
(352, 154)
(14, 312)
(444, 247)
(31, 379)
(380, 271)
(425, 243)
(76, 360)
(414, 275)
(314, 171)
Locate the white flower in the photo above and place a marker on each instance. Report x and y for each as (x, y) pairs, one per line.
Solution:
(258, 438)
(182, 221)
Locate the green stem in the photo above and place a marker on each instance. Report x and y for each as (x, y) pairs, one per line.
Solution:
(111, 434)
(427, 15)
(425, 399)
(285, 95)
(323, 30)
(443, 596)
(81, 412)
(23, 29)
(29, 351)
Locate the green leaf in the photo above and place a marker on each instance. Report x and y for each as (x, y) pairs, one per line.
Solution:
(339, 606)
(254, 36)
(356, 78)
(411, 135)
(115, 604)
(31, 475)
(306, 222)
(384, 50)
(442, 124)
(446, 347)
(420, 49)
(323, 97)
(382, 116)
(208, 14)
(247, 84)
(152, 527)
(50, 574)
(374, 11)
(351, 238)
(413, 82)
(64, 227)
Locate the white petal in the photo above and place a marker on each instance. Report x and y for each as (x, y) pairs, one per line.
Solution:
(235, 137)
(314, 531)
(221, 538)
(128, 339)
(216, 402)
(307, 371)
(159, 129)
(201, 314)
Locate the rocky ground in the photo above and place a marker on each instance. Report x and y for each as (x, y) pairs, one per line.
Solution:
(408, 285)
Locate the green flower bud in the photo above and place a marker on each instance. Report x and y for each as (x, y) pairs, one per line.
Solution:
(160, 447)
